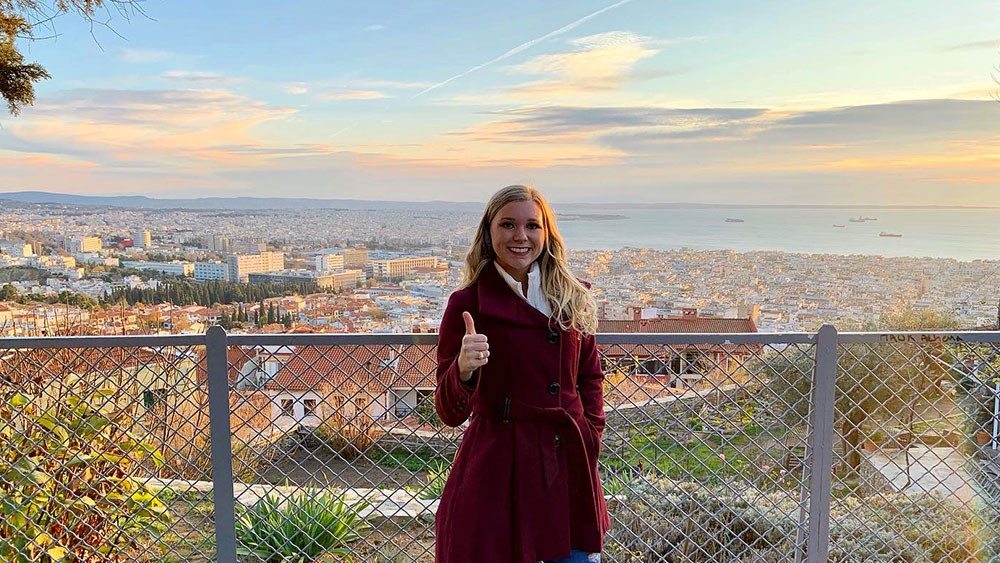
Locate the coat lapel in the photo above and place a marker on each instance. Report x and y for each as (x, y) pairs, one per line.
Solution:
(498, 301)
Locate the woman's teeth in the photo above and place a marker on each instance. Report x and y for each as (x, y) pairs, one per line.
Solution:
(519, 250)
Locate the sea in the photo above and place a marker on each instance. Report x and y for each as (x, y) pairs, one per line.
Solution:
(962, 234)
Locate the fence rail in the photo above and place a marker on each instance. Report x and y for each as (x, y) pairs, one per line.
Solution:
(718, 447)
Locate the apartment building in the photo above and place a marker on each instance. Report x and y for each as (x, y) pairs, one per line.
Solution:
(175, 268)
(355, 257)
(142, 239)
(80, 245)
(241, 265)
(330, 263)
(328, 280)
(214, 270)
(219, 243)
(401, 267)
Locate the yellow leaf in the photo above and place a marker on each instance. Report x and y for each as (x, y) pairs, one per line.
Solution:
(57, 553)
(43, 539)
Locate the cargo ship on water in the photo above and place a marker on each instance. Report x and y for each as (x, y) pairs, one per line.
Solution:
(892, 235)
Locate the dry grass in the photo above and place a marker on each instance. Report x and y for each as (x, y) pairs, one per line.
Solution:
(181, 428)
(351, 437)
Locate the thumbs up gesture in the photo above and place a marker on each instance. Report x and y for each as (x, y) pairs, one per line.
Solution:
(475, 350)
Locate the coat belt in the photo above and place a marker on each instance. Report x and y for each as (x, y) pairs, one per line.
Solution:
(571, 439)
(568, 435)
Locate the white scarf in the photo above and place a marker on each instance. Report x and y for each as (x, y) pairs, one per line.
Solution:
(535, 297)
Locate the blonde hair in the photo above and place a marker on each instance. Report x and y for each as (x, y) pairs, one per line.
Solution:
(573, 307)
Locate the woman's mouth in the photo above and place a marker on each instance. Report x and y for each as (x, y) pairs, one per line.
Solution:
(519, 251)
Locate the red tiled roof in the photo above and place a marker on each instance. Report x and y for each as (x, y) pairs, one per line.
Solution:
(235, 357)
(694, 325)
(375, 368)
(679, 326)
(41, 365)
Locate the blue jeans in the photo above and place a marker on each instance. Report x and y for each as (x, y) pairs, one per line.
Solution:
(578, 557)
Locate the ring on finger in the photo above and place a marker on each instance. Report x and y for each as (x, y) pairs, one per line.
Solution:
(481, 355)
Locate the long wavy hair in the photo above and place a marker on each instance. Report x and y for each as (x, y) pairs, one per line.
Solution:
(573, 307)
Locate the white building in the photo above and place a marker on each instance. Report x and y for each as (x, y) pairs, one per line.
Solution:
(142, 239)
(18, 249)
(94, 259)
(400, 267)
(330, 263)
(220, 243)
(215, 270)
(175, 268)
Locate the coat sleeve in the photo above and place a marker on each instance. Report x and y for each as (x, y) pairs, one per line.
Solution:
(590, 380)
(453, 398)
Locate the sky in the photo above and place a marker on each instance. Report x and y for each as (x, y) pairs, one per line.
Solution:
(769, 102)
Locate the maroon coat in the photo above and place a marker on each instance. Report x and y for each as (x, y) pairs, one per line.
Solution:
(524, 485)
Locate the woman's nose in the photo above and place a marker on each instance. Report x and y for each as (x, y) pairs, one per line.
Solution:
(520, 234)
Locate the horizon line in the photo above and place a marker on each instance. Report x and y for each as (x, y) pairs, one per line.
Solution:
(604, 204)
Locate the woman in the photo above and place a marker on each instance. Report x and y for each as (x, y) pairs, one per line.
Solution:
(516, 351)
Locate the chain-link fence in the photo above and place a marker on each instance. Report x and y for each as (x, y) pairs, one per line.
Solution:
(92, 431)
(917, 472)
(749, 447)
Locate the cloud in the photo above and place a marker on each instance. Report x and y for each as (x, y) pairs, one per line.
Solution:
(544, 123)
(912, 121)
(353, 95)
(525, 46)
(164, 129)
(133, 55)
(296, 88)
(198, 76)
(350, 89)
(376, 84)
(988, 44)
(301, 149)
(375, 27)
(598, 63)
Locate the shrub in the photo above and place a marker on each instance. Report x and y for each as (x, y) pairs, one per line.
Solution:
(66, 485)
(437, 476)
(673, 521)
(426, 412)
(347, 438)
(302, 528)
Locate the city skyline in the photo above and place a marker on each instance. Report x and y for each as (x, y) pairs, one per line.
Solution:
(597, 101)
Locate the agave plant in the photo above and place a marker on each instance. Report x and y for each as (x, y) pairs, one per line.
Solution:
(301, 528)
(437, 475)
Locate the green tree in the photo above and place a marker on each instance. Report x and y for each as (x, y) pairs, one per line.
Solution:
(881, 382)
(21, 19)
(8, 293)
(17, 78)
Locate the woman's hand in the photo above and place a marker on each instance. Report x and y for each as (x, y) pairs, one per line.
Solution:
(475, 350)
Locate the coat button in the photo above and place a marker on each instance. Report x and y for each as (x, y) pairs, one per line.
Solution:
(558, 441)
(554, 388)
(553, 337)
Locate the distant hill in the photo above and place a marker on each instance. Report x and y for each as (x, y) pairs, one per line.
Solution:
(247, 203)
(265, 203)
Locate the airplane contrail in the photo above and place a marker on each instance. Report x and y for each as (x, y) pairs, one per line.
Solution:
(523, 46)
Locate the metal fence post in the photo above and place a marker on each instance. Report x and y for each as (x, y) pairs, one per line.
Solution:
(216, 343)
(821, 476)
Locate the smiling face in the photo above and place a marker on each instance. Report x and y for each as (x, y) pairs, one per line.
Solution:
(518, 235)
